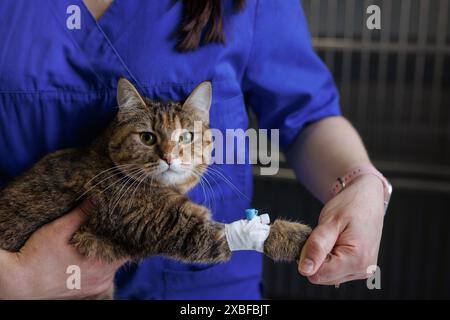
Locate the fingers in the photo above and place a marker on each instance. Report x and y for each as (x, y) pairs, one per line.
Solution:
(69, 223)
(347, 278)
(317, 247)
(345, 264)
(86, 206)
(333, 271)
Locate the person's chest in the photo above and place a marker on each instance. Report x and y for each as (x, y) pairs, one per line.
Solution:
(56, 45)
(97, 7)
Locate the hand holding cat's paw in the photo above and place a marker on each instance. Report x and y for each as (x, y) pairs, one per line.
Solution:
(347, 238)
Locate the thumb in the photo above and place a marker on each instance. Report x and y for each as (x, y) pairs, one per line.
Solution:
(317, 247)
(68, 224)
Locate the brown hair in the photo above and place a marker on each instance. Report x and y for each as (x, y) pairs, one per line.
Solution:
(202, 23)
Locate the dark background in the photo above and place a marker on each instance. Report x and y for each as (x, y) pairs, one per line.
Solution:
(394, 85)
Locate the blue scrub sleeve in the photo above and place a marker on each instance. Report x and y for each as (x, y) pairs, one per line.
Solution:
(285, 83)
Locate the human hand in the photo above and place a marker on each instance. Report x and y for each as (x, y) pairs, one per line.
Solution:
(38, 270)
(347, 239)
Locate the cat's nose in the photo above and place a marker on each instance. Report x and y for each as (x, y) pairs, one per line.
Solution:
(167, 158)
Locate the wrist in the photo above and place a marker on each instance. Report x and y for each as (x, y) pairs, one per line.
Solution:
(369, 182)
(368, 174)
(369, 179)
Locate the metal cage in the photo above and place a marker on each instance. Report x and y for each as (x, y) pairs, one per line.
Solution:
(395, 81)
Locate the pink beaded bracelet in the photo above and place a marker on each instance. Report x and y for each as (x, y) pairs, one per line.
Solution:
(342, 182)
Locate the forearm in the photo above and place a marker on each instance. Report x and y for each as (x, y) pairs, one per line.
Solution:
(346, 240)
(324, 151)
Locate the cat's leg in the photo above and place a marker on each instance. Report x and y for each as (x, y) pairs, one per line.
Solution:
(93, 246)
(203, 242)
(42, 194)
(286, 240)
(196, 238)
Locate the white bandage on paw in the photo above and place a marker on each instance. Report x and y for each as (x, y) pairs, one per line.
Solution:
(264, 218)
(248, 235)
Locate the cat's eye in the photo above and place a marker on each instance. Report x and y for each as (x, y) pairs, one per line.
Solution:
(148, 138)
(186, 137)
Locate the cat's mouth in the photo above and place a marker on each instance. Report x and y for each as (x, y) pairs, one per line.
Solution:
(168, 174)
(165, 169)
(170, 171)
(171, 176)
(160, 168)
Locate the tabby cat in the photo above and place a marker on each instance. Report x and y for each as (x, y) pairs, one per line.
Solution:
(135, 177)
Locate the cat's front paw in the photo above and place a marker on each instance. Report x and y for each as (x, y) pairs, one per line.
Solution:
(91, 246)
(201, 212)
(286, 240)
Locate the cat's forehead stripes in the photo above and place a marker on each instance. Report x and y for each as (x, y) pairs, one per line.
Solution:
(168, 117)
(159, 117)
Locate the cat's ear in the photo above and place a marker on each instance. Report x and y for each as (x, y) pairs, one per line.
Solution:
(127, 95)
(200, 100)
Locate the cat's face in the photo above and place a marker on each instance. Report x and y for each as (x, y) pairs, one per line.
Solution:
(164, 143)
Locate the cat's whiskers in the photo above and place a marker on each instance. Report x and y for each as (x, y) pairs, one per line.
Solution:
(211, 190)
(144, 176)
(209, 195)
(150, 165)
(218, 183)
(201, 184)
(215, 171)
(196, 173)
(124, 180)
(150, 169)
(127, 175)
(109, 169)
(207, 191)
(107, 178)
(122, 192)
(203, 189)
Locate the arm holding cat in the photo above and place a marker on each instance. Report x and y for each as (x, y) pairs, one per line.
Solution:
(347, 238)
(25, 274)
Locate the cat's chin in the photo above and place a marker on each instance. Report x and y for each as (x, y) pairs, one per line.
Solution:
(172, 178)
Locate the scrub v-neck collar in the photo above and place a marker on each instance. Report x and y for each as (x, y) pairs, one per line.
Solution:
(96, 39)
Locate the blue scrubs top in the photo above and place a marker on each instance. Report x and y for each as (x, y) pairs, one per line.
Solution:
(58, 87)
